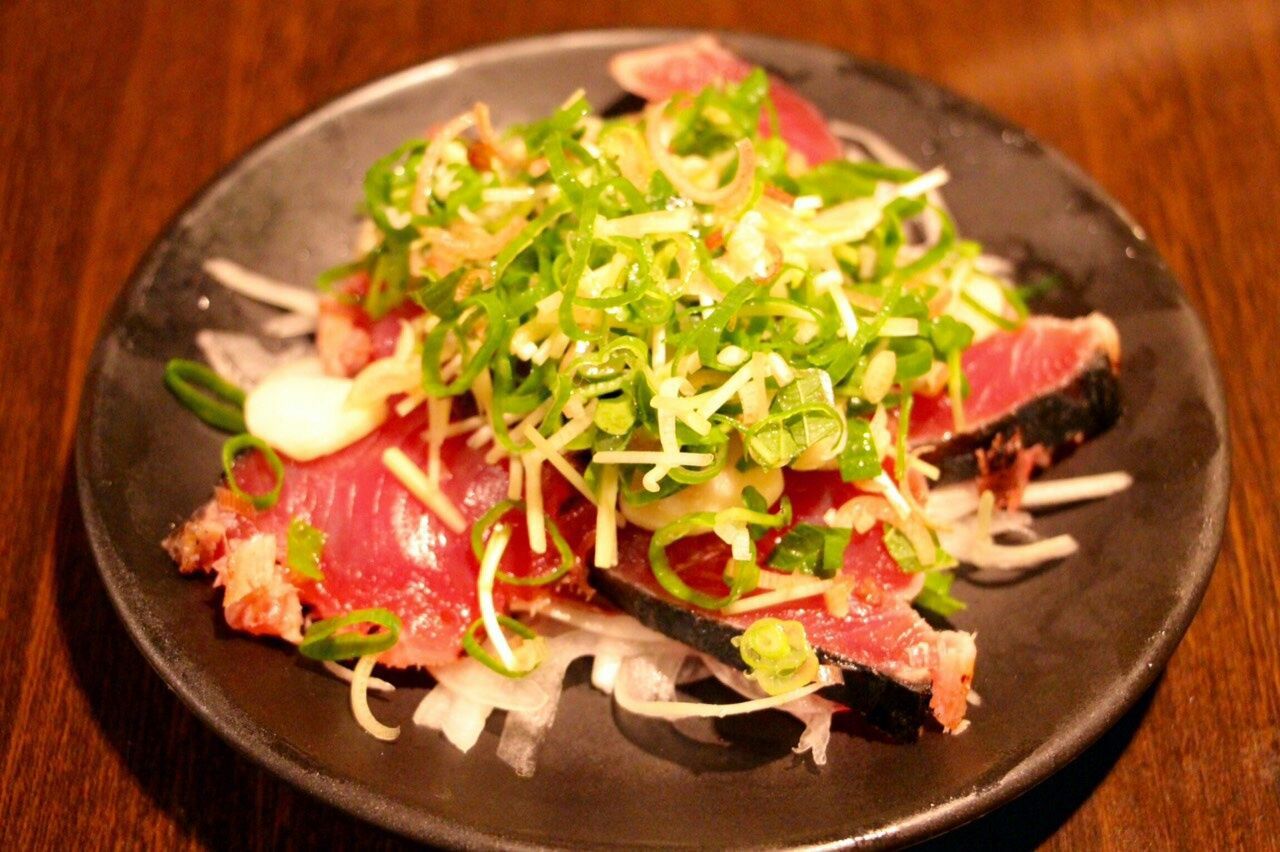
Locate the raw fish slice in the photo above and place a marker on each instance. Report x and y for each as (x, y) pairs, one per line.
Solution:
(656, 73)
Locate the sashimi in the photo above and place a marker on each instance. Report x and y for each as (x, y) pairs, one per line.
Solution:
(1050, 383)
(678, 328)
(898, 670)
(382, 548)
(656, 73)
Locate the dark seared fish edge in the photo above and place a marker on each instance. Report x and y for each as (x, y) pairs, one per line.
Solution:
(1059, 421)
(897, 709)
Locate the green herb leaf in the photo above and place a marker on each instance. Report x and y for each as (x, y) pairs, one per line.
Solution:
(859, 459)
(811, 549)
(304, 547)
(935, 596)
(899, 547)
(776, 440)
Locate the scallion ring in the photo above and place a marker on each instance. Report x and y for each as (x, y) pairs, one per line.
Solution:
(697, 523)
(495, 515)
(245, 441)
(324, 642)
(474, 649)
(222, 407)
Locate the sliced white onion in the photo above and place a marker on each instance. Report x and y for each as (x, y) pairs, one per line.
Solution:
(1057, 492)
(604, 670)
(460, 719)
(464, 722)
(242, 359)
(289, 325)
(260, 288)
(952, 502)
(343, 673)
(360, 701)
(638, 678)
(473, 680)
(433, 707)
(603, 624)
(1010, 557)
(524, 732)
(814, 711)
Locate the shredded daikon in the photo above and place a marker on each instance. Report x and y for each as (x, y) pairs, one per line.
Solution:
(420, 486)
(629, 698)
(343, 673)
(360, 701)
(260, 288)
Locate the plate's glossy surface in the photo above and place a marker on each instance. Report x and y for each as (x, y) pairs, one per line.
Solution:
(1063, 651)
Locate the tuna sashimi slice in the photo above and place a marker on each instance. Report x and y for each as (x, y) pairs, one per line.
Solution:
(656, 73)
(1051, 383)
(382, 548)
(898, 669)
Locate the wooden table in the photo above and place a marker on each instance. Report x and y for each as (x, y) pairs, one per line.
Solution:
(114, 114)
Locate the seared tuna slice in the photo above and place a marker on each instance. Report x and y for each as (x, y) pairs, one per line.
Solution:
(659, 72)
(382, 548)
(898, 670)
(1050, 384)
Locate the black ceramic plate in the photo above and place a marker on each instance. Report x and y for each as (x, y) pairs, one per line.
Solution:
(1063, 650)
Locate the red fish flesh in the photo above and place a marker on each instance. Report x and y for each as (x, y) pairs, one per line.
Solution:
(382, 548)
(898, 670)
(1050, 384)
(656, 73)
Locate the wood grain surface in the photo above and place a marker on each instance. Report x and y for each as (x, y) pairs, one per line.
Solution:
(112, 114)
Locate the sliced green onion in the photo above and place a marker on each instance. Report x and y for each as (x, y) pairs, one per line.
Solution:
(1001, 322)
(778, 655)
(697, 523)
(493, 517)
(245, 441)
(582, 244)
(525, 238)
(323, 640)
(304, 546)
(494, 311)
(904, 426)
(558, 164)
(859, 459)
(222, 407)
(474, 649)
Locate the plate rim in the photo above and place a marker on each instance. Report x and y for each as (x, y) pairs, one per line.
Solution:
(267, 750)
